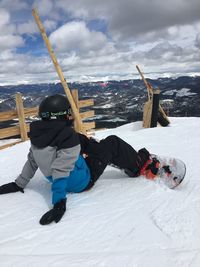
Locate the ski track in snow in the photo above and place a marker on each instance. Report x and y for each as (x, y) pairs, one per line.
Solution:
(120, 222)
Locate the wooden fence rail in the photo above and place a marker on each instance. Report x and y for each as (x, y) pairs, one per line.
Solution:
(12, 114)
(21, 114)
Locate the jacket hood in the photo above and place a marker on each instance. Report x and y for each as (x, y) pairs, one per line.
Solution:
(52, 133)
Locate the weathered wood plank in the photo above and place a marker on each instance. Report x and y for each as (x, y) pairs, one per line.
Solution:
(147, 114)
(8, 115)
(87, 114)
(9, 131)
(86, 103)
(12, 114)
(89, 125)
(31, 111)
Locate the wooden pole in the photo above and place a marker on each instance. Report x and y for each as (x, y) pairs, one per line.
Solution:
(21, 116)
(149, 89)
(59, 72)
(76, 101)
(147, 114)
(150, 95)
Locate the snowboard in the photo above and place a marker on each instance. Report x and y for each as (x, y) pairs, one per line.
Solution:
(171, 171)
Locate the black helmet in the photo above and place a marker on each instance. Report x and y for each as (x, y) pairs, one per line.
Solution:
(55, 106)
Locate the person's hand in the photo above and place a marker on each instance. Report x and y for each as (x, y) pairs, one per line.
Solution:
(54, 214)
(10, 188)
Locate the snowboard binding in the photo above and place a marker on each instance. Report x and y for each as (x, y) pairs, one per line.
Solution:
(150, 168)
(170, 171)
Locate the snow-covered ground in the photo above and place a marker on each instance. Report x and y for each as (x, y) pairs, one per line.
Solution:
(120, 222)
(180, 93)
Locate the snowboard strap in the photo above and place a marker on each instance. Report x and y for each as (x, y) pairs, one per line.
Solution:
(150, 168)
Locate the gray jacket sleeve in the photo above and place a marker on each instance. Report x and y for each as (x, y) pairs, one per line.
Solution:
(28, 171)
(64, 162)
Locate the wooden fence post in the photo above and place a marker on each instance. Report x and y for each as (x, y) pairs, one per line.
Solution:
(21, 116)
(155, 108)
(149, 91)
(147, 114)
(162, 117)
(76, 101)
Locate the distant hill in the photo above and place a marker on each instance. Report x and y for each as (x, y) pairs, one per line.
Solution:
(116, 102)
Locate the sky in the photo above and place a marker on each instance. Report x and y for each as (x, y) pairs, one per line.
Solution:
(99, 40)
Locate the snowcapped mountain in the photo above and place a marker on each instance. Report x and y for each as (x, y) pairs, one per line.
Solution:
(120, 222)
(116, 102)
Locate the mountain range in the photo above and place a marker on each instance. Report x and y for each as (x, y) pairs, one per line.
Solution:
(116, 102)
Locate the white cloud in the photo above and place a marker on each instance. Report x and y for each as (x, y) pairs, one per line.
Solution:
(131, 18)
(10, 41)
(164, 50)
(161, 36)
(197, 41)
(29, 27)
(75, 36)
(8, 38)
(44, 7)
(5, 18)
(50, 25)
(16, 67)
(14, 5)
(47, 8)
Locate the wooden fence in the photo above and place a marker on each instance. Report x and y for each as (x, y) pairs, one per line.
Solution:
(21, 114)
(162, 118)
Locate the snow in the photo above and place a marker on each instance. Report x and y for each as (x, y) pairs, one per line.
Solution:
(184, 92)
(180, 93)
(120, 222)
(106, 106)
(116, 119)
(8, 141)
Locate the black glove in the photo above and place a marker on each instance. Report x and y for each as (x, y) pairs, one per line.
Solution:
(54, 214)
(10, 188)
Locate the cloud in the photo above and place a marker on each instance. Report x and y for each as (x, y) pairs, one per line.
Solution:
(197, 41)
(5, 18)
(128, 19)
(44, 7)
(29, 27)
(8, 38)
(14, 5)
(10, 41)
(164, 50)
(47, 8)
(150, 16)
(25, 68)
(75, 36)
(99, 39)
(50, 25)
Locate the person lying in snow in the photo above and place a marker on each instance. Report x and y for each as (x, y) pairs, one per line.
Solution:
(71, 161)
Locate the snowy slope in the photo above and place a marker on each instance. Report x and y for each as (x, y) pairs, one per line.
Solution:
(120, 222)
